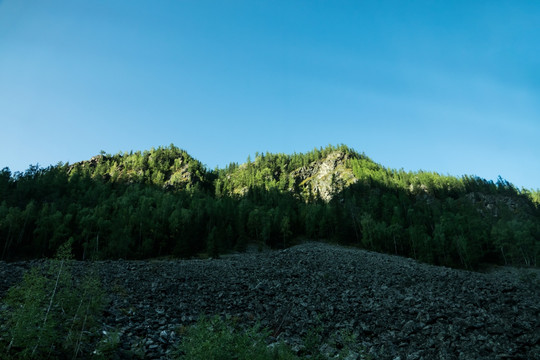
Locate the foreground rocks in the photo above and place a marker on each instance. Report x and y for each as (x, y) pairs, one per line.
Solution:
(400, 309)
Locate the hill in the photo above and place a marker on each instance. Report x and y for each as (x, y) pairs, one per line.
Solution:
(164, 202)
(166, 167)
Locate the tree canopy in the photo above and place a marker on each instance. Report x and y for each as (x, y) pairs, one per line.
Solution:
(163, 202)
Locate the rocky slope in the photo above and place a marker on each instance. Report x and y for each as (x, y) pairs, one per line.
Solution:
(325, 177)
(400, 309)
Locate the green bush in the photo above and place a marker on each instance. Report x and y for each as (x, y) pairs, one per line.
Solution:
(50, 314)
(218, 339)
(108, 345)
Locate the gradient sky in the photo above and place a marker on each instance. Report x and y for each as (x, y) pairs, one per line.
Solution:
(445, 86)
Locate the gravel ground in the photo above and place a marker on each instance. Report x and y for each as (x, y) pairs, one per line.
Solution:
(399, 308)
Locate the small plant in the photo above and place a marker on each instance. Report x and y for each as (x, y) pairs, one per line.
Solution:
(50, 313)
(108, 345)
(222, 339)
(313, 341)
(215, 339)
(346, 342)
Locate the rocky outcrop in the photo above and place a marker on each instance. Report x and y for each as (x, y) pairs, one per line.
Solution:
(325, 177)
(399, 309)
(491, 204)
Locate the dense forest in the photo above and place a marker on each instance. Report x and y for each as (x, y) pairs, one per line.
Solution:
(163, 202)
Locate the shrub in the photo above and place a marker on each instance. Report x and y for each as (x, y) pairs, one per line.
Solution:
(216, 339)
(50, 314)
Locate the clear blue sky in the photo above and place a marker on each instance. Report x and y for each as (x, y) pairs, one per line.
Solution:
(446, 86)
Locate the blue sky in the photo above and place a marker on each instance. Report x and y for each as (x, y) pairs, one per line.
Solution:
(445, 86)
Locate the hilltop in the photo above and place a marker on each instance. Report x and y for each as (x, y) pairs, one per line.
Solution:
(164, 202)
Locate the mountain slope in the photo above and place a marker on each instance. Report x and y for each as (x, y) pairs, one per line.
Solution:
(321, 173)
(163, 202)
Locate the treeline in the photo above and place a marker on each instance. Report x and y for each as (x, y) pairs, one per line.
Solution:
(163, 202)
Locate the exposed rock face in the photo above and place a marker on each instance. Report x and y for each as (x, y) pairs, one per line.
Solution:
(325, 177)
(92, 163)
(490, 204)
(399, 308)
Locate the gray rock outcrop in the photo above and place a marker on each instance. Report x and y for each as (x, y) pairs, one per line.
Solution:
(325, 177)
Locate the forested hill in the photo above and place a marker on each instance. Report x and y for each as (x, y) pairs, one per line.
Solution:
(170, 168)
(164, 202)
